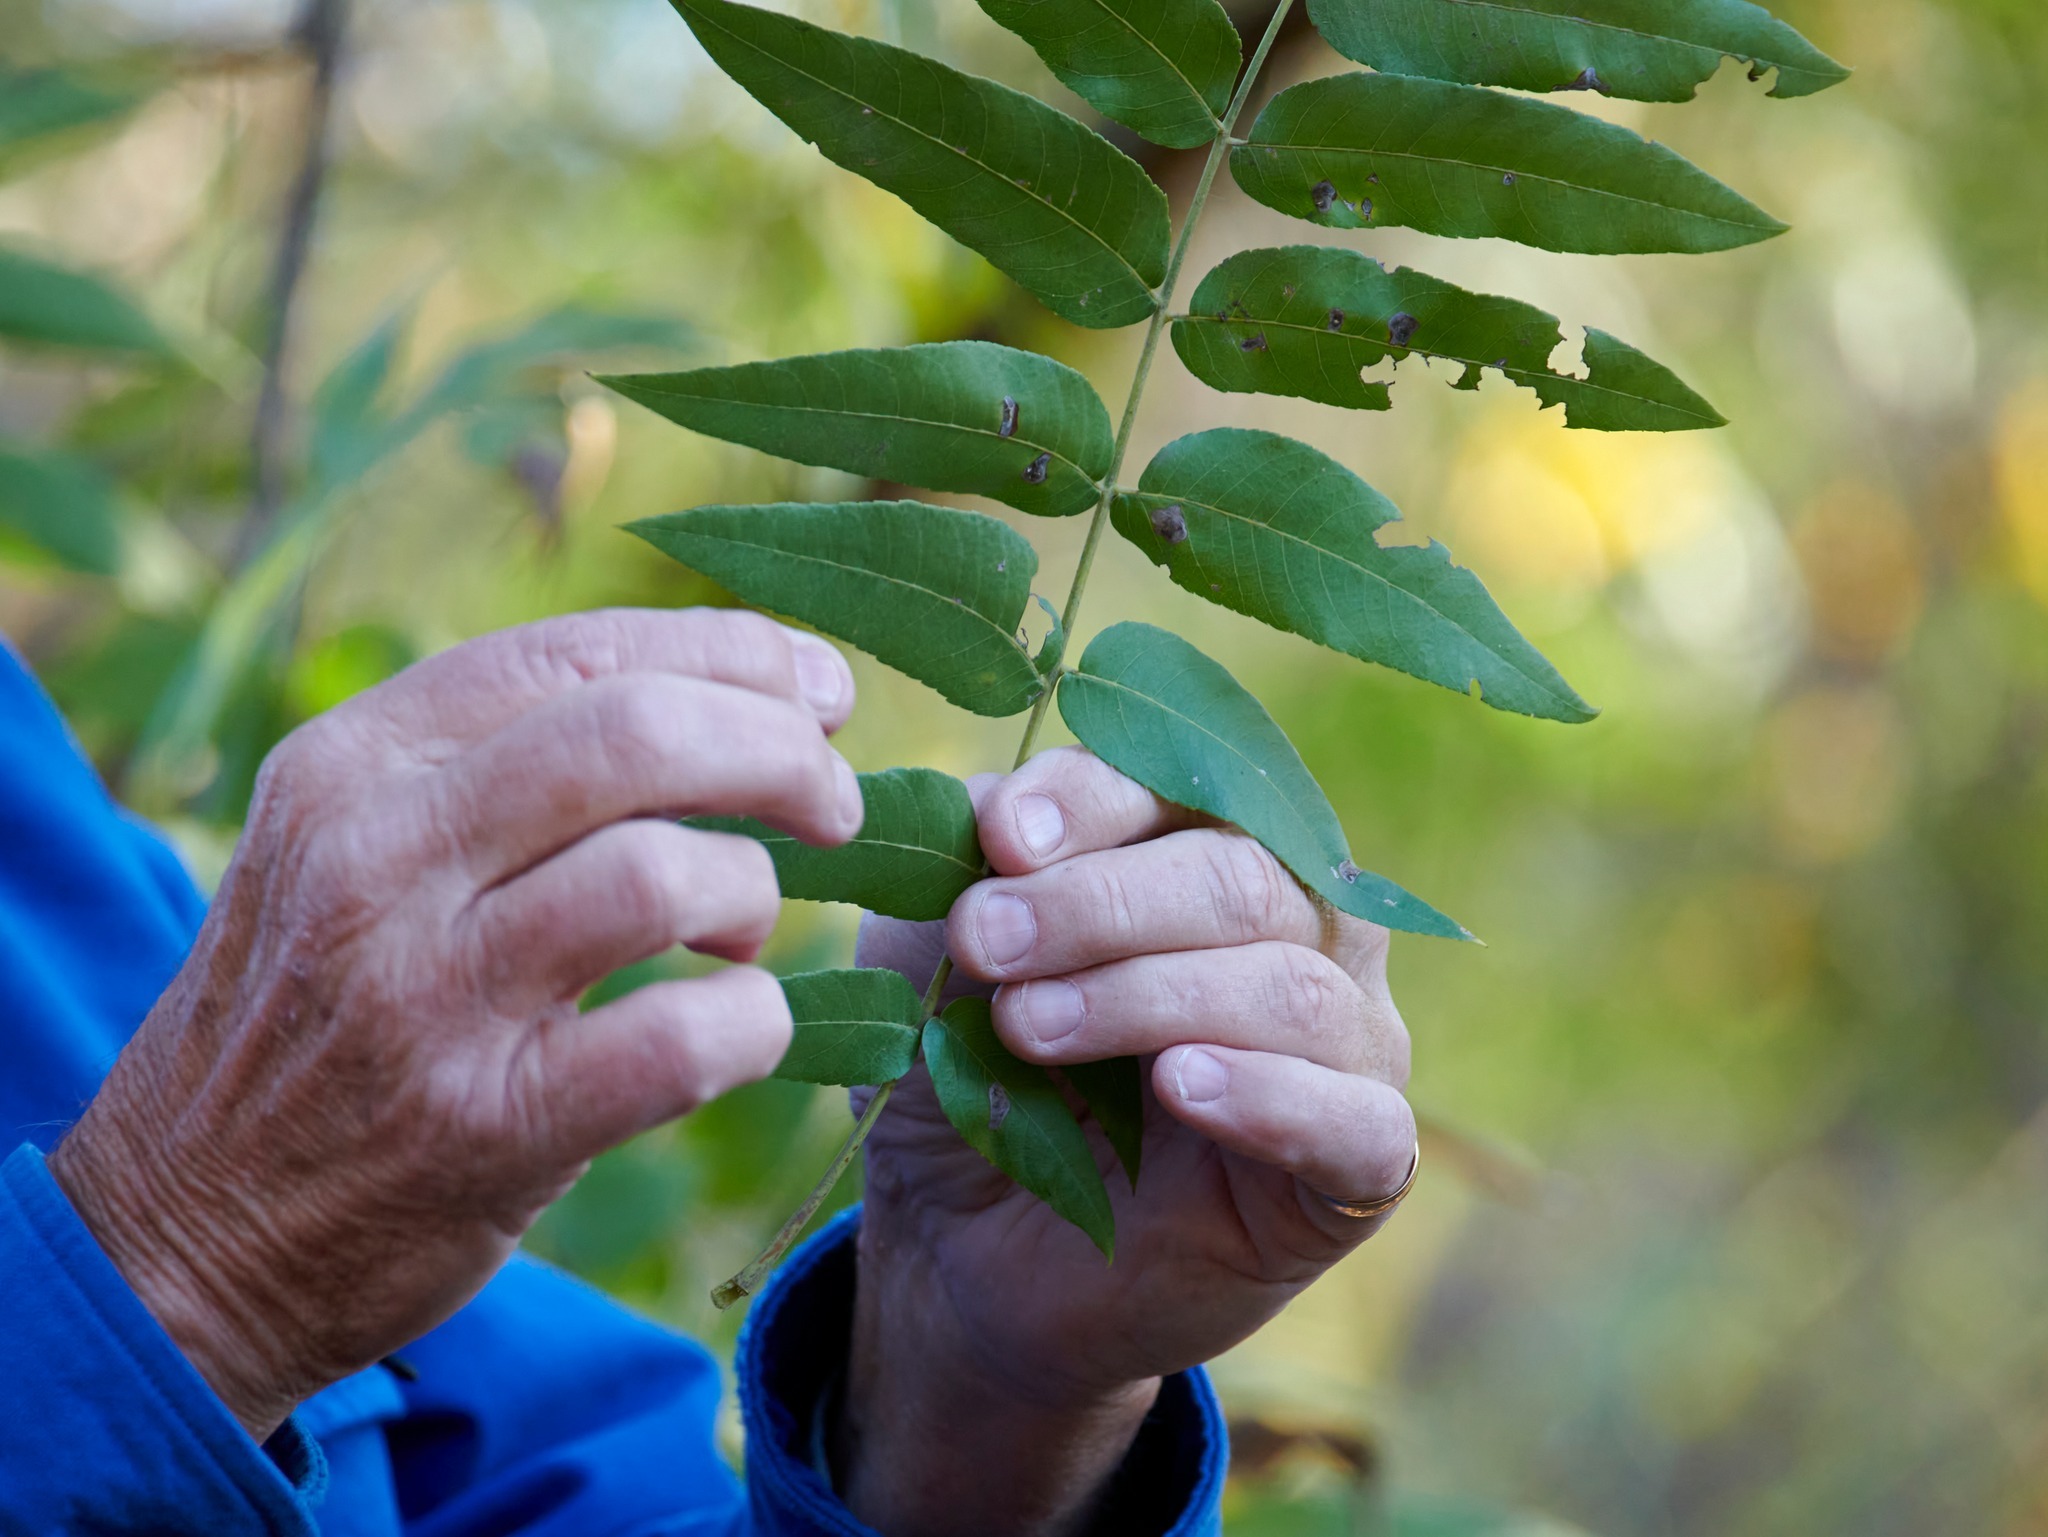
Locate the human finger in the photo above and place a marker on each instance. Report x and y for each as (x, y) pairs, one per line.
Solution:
(1065, 802)
(624, 893)
(590, 1081)
(439, 706)
(1268, 996)
(643, 745)
(1193, 890)
(1345, 1137)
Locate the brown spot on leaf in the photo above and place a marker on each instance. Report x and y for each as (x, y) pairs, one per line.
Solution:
(998, 1106)
(1035, 471)
(1401, 328)
(1008, 426)
(1348, 873)
(1170, 524)
(1508, 180)
(1336, 320)
(1253, 343)
(1588, 80)
(1324, 195)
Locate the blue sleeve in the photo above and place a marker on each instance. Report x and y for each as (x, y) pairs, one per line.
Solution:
(794, 1348)
(107, 1428)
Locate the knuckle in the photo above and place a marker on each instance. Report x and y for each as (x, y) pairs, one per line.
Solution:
(643, 885)
(635, 725)
(1257, 894)
(575, 647)
(1307, 989)
(739, 643)
(1114, 915)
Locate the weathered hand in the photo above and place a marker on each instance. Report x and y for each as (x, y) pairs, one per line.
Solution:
(371, 1074)
(1119, 926)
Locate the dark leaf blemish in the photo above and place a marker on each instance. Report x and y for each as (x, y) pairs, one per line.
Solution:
(998, 1106)
(1170, 524)
(1035, 471)
(1253, 343)
(1324, 195)
(1401, 328)
(1008, 428)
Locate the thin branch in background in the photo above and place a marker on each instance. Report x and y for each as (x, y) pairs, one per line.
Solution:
(320, 34)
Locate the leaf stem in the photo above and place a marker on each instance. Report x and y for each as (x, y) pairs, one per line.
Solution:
(748, 1279)
(1219, 151)
(745, 1283)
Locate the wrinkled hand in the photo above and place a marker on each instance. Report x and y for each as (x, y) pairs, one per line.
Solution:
(371, 1074)
(1120, 925)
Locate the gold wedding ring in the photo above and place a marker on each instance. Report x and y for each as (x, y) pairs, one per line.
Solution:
(1365, 1210)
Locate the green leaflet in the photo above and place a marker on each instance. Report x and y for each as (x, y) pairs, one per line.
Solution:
(35, 102)
(1163, 68)
(1012, 1114)
(62, 504)
(916, 851)
(852, 1027)
(1645, 50)
(1150, 705)
(61, 308)
(1054, 205)
(1115, 1092)
(951, 416)
(1358, 151)
(1275, 529)
(932, 591)
(1307, 320)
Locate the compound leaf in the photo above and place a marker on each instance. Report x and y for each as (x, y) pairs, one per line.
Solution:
(1049, 202)
(916, 850)
(932, 591)
(55, 306)
(1150, 705)
(1162, 68)
(1114, 1089)
(1366, 151)
(1308, 320)
(1275, 529)
(62, 504)
(852, 1027)
(953, 416)
(1644, 50)
(1012, 1114)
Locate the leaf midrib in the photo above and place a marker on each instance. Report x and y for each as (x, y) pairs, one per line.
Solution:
(1775, 226)
(1368, 572)
(880, 416)
(908, 127)
(1164, 708)
(1718, 50)
(1179, 74)
(946, 599)
(1519, 375)
(889, 843)
(1027, 1107)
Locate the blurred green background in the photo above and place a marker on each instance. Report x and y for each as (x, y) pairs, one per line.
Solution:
(1736, 1210)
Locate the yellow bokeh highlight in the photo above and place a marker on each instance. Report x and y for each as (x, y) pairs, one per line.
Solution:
(2020, 466)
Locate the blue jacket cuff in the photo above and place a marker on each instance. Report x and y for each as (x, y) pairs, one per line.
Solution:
(116, 1431)
(793, 1352)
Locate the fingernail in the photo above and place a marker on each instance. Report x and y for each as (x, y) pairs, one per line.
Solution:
(1040, 824)
(852, 809)
(1199, 1077)
(819, 673)
(1006, 928)
(1052, 1010)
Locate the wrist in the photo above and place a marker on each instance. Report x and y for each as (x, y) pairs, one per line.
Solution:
(136, 1224)
(943, 1430)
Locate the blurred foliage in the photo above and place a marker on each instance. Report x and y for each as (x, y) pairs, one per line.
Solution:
(1733, 1214)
